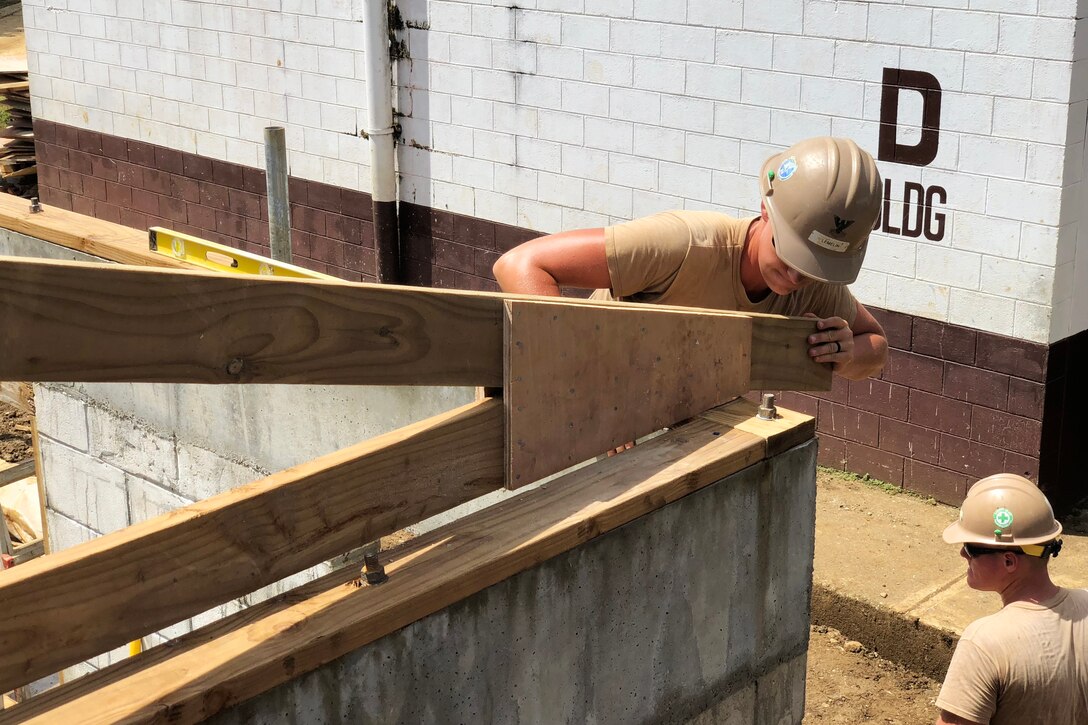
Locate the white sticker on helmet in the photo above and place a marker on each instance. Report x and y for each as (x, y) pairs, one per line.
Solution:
(822, 240)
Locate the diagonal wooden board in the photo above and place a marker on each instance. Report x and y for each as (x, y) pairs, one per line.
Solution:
(579, 381)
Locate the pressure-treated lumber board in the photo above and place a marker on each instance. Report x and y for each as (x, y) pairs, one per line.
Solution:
(788, 429)
(82, 322)
(12, 472)
(66, 607)
(271, 643)
(83, 233)
(18, 395)
(582, 380)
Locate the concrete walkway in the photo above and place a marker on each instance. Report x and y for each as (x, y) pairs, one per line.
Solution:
(883, 575)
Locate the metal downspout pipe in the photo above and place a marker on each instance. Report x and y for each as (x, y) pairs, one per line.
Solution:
(379, 131)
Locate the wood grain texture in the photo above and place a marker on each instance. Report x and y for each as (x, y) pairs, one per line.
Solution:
(18, 395)
(83, 233)
(582, 380)
(276, 641)
(66, 607)
(787, 430)
(780, 358)
(80, 322)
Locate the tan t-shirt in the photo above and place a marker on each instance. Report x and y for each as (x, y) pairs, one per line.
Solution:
(692, 258)
(1027, 663)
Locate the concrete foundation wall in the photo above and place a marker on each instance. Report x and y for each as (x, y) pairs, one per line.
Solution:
(697, 612)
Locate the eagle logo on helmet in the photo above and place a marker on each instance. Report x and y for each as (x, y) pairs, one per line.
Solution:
(841, 225)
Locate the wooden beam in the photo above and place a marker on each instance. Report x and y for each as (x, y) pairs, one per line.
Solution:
(273, 642)
(75, 321)
(82, 233)
(582, 380)
(66, 607)
(80, 322)
(10, 473)
(18, 395)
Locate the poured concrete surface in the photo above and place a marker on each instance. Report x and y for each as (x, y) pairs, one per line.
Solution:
(695, 612)
(883, 575)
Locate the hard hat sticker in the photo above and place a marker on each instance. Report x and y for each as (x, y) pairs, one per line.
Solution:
(786, 169)
(1003, 518)
(822, 240)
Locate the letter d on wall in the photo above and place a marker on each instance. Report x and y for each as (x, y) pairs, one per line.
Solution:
(896, 79)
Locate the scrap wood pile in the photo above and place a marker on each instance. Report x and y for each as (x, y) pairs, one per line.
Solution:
(18, 164)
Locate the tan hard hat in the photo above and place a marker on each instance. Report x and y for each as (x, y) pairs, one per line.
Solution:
(823, 196)
(1004, 510)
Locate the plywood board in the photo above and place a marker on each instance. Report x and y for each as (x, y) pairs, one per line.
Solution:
(69, 606)
(83, 322)
(780, 359)
(276, 641)
(582, 380)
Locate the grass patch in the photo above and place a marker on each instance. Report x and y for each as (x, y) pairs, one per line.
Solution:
(5, 115)
(889, 488)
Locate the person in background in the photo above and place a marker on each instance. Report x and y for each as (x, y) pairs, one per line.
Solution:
(1028, 663)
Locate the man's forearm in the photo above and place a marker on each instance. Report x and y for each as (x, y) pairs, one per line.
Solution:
(870, 354)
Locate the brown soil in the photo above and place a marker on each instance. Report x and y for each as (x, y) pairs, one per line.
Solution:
(849, 687)
(15, 440)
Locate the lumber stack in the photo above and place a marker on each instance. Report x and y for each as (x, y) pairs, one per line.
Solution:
(18, 162)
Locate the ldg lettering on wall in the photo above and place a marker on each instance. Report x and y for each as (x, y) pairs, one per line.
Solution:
(920, 215)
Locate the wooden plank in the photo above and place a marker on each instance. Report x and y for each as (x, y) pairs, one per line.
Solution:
(18, 395)
(268, 644)
(780, 359)
(83, 233)
(76, 321)
(10, 473)
(787, 430)
(582, 380)
(62, 608)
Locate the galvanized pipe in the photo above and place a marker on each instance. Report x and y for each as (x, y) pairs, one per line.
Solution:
(279, 205)
(379, 131)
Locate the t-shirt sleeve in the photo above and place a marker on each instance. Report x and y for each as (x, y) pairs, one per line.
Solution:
(970, 688)
(826, 300)
(644, 255)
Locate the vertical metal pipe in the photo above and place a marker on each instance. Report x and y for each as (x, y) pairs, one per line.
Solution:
(379, 118)
(279, 206)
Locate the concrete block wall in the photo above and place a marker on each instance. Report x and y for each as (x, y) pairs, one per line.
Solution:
(650, 622)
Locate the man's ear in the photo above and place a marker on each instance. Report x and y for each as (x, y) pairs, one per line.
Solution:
(1011, 562)
(763, 210)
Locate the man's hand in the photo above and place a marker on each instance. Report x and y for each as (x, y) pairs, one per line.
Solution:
(854, 353)
(833, 344)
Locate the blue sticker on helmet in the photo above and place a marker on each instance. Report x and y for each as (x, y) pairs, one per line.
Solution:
(786, 169)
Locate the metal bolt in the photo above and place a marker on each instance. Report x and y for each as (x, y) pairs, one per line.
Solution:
(35, 206)
(767, 411)
(235, 366)
(373, 570)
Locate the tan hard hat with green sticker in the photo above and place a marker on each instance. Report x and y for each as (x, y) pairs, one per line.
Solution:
(1004, 510)
(823, 196)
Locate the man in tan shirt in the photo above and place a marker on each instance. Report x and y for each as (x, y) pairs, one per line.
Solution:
(1028, 663)
(820, 199)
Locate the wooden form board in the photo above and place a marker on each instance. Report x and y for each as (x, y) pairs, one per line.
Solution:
(582, 380)
(66, 607)
(82, 233)
(80, 322)
(276, 641)
(74, 321)
(18, 395)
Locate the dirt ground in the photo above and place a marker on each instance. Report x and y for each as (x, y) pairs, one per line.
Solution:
(15, 442)
(858, 686)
